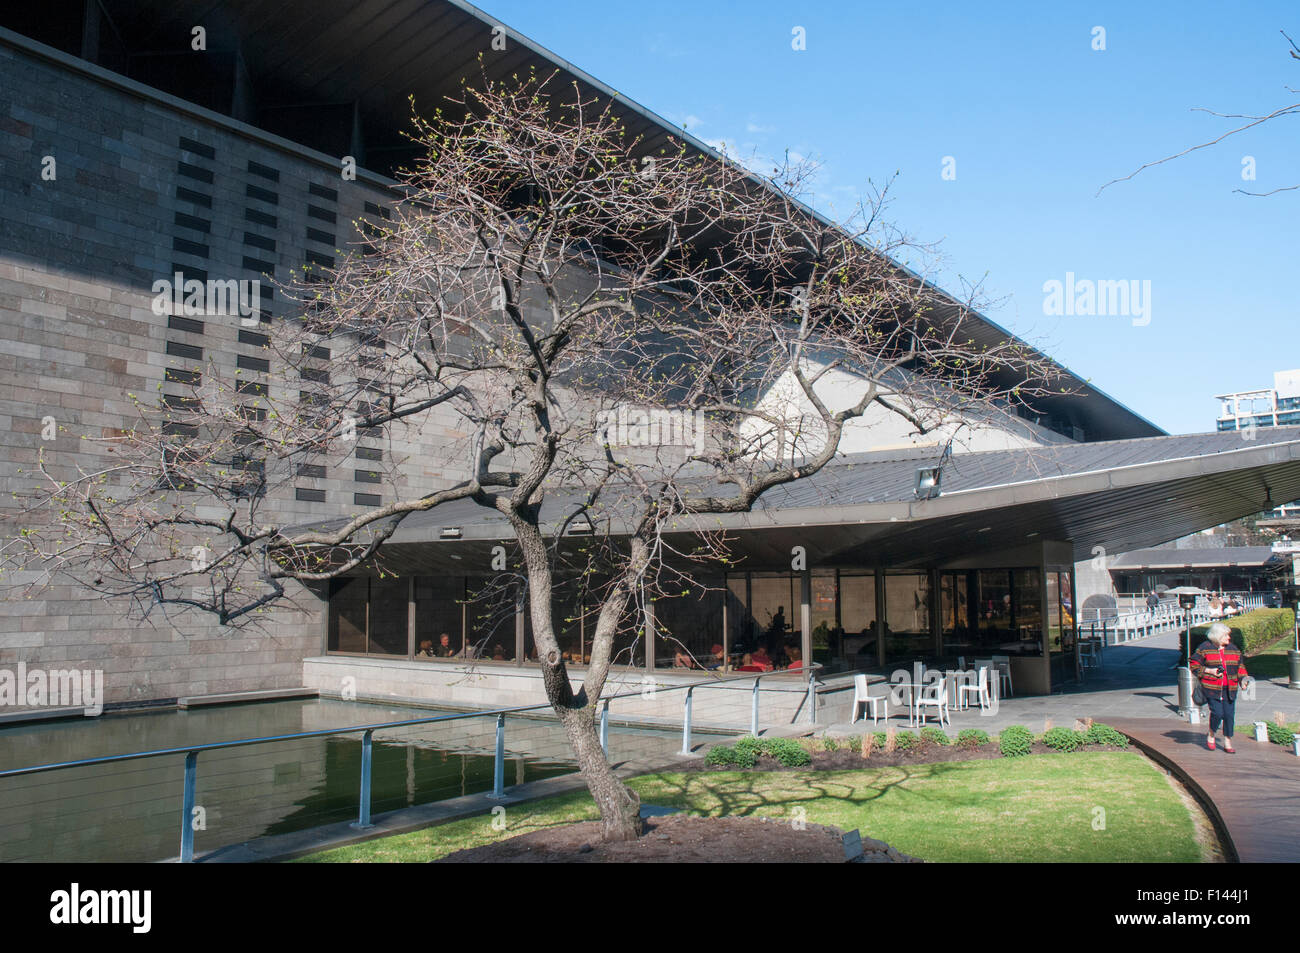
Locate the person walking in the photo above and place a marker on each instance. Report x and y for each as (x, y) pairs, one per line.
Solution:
(1221, 670)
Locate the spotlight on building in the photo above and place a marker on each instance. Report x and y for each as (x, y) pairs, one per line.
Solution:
(927, 483)
(580, 526)
(450, 532)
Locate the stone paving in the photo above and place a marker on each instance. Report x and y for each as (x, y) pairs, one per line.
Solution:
(1136, 680)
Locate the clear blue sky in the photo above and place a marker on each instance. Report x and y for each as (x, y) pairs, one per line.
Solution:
(1037, 121)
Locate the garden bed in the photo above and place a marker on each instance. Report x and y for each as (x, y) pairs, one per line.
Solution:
(890, 749)
(679, 839)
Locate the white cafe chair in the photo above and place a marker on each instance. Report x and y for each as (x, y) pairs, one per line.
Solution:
(862, 697)
(1003, 665)
(935, 695)
(980, 690)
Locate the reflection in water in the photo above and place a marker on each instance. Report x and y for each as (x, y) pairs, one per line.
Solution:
(131, 811)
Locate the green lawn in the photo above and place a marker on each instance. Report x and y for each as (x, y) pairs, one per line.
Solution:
(1271, 662)
(1035, 808)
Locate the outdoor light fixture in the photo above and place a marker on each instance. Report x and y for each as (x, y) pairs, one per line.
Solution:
(450, 532)
(927, 482)
(580, 527)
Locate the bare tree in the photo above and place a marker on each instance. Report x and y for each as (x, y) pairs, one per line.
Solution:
(542, 269)
(1251, 121)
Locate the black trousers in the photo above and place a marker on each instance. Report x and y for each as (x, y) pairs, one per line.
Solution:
(1222, 710)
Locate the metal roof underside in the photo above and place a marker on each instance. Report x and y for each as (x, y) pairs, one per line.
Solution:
(1123, 496)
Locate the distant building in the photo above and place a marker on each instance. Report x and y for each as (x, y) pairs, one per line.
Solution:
(1278, 406)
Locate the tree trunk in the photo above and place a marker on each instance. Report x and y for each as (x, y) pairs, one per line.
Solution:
(620, 807)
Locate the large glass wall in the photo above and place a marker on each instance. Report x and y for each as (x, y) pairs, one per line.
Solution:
(980, 612)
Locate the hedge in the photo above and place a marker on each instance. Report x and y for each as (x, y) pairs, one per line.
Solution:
(1252, 631)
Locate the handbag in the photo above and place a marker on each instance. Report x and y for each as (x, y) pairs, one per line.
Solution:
(1198, 694)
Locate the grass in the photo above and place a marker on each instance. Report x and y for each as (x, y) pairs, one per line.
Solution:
(1270, 662)
(1040, 808)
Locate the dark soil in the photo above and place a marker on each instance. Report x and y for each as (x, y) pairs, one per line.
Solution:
(675, 839)
(844, 759)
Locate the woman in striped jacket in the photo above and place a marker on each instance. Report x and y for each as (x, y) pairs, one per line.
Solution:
(1219, 666)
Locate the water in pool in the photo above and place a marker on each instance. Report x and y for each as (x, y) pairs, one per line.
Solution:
(131, 811)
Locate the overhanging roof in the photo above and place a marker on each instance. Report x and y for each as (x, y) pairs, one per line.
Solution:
(861, 511)
(1210, 557)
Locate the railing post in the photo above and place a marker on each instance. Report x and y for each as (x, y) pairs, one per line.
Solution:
(499, 770)
(367, 758)
(187, 807)
(686, 722)
(604, 728)
(812, 696)
(753, 720)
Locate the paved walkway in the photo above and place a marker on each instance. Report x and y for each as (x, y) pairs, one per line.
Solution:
(1136, 680)
(1253, 795)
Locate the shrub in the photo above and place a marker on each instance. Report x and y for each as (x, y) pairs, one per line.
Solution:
(879, 740)
(905, 740)
(750, 744)
(788, 752)
(934, 735)
(1099, 734)
(720, 754)
(829, 744)
(1015, 741)
(855, 743)
(972, 738)
(725, 755)
(1250, 632)
(1279, 735)
(891, 740)
(1063, 739)
(868, 744)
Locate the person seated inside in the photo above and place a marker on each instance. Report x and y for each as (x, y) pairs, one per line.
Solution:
(796, 658)
(716, 658)
(444, 649)
(498, 653)
(762, 659)
(426, 649)
(747, 664)
(682, 659)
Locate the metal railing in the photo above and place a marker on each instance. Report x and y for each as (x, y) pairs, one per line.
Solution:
(1115, 629)
(363, 821)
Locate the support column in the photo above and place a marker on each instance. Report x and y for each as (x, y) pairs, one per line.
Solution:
(805, 616)
(649, 630)
(880, 618)
(521, 603)
(410, 617)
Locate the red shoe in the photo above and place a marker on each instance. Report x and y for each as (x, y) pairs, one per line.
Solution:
(1228, 748)
(1209, 743)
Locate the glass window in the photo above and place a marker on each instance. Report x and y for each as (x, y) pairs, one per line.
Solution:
(688, 626)
(490, 620)
(347, 631)
(438, 613)
(858, 620)
(907, 617)
(774, 612)
(389, 600)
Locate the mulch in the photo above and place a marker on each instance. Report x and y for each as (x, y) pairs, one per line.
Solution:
(680, 839)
